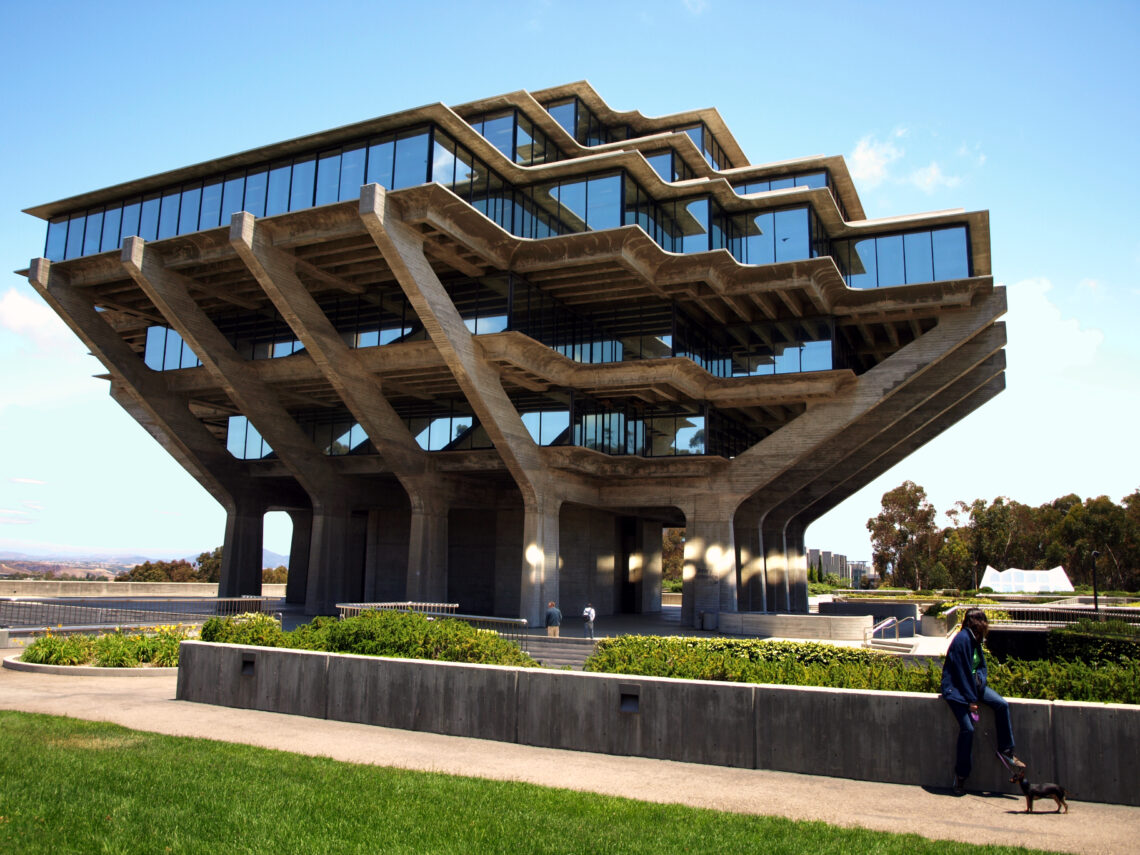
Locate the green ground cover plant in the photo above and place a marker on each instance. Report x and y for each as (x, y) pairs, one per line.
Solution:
(1096, 642)
(77, 786)
(791, 663)
(156, 647)
(406, 635)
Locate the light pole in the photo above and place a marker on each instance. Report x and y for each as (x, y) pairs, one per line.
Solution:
(1096, 600)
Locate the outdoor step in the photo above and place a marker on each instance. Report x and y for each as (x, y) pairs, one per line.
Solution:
(560, 652)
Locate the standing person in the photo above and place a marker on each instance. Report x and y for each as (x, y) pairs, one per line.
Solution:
(964, 687)
(589, 614)
(553, 620)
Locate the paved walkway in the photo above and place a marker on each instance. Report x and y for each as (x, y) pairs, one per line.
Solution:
(147, 703)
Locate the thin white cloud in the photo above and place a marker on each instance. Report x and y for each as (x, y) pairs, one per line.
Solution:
(32, 506)
(13, 517)
(26, 481)
(1042, 342)
(871, 159)
(34, 321)
(1089, 285)
(696, 7)
(930, 178)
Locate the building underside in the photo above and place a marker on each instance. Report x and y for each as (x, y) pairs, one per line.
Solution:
(454, 407)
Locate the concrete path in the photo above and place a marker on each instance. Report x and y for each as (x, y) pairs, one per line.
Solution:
(147, 703)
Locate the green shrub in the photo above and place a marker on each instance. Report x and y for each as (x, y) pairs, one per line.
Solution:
(813, 664)
(59, 650)
(115, 650)
(406, 635)
(1095, 642)
(672, 586)
(260, 630)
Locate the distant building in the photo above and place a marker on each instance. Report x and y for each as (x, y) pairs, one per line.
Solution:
(483, 354)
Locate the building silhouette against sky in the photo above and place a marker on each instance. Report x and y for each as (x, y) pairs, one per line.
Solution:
(483, 354)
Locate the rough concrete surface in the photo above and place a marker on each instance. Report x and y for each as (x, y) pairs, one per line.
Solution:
(149, 704)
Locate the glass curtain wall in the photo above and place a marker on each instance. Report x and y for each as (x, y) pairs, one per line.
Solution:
(814, 180)
(516, 136)
(901, 259)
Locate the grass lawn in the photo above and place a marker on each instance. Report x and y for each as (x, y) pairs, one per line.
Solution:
(69, 786)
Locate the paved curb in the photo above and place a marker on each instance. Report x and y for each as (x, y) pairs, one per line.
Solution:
(15, 664)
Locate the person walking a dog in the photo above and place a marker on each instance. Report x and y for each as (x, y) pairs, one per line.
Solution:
(964, 687)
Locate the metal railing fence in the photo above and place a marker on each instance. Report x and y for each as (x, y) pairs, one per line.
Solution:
(512, 629)
(19, 613)
(1046, 615)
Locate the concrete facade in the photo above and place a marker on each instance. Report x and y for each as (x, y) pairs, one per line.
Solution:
(500, 517)
(898, 737)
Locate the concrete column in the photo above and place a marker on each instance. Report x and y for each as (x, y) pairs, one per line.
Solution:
(775, 567)
(427, 550)
(540, 560)
(241, 551)
(710, 550)
(509, 524)
(649, 547)
(797, 568)
(299, 547)
(750, 561)
(331, 551)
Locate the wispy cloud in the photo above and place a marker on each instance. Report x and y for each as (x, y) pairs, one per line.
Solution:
(13, 517)
(33, 320)
(26, 481)
(871, 159)
(32, 506)
(696, 7)
(930, 178)
(875, 162)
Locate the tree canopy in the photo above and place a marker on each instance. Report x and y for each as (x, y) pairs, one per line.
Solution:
(909, 548)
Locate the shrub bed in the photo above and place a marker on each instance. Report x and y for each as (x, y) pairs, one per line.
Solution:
(1096, 642)
(791, 663)
(406, 635)
(157, 648)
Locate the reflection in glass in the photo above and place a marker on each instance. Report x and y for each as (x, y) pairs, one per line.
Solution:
(211, 206)
(889, 254)
(411, 163)
(56, 247)
(112, 221)
(255, 187)
(951, 256)
(277, 194)
(188, 212)
(328, 178)
(380, 163)
(92, 233)
(304, 182)
(352, 173)
(148, 219)
(916, 252)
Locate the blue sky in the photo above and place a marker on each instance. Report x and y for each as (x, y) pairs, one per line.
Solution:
(1027, 110)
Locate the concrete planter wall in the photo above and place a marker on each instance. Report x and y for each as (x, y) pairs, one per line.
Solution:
(897, 737)
(763, 625)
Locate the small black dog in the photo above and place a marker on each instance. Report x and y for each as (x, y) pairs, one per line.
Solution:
(1040, 791)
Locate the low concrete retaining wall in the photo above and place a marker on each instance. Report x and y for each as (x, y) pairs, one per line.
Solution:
(827, 627)
(878, 612)
(897, 737)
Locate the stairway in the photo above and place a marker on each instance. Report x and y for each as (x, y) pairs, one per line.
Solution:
(560, 652)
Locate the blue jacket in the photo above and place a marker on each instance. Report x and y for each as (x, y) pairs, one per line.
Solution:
(553, 617)
(958, 682)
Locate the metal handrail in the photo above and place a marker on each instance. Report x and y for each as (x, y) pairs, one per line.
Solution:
(38, 613)
(883, 625)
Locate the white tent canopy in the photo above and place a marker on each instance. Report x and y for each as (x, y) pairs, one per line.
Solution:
(1014, 581)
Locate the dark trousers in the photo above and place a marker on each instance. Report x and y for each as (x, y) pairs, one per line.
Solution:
(964, 760)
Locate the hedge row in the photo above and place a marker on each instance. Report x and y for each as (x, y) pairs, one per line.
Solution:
(813, 664)
(1096, 642)
(405, 635)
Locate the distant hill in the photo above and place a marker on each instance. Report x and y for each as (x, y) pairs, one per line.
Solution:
(268, 557)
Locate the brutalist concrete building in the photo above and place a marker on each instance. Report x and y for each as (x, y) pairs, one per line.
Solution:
(483, 354)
